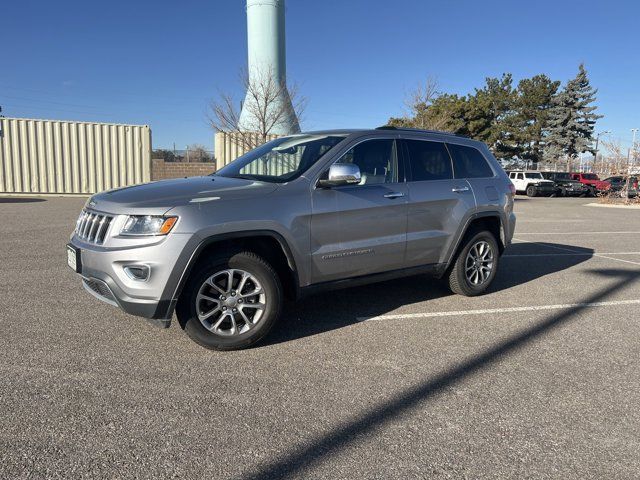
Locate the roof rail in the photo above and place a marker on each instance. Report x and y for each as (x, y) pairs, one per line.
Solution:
(407, 129)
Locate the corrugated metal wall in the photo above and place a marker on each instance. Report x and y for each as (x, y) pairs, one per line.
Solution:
(54, 156)
(229, 146)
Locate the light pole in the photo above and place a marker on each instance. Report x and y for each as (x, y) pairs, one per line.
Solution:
(595, 152)
(631, 157)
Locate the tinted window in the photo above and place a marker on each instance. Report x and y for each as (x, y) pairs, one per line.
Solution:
(376, 159)
(520, 176)
(468, 162)
(429, 160)
(533, 175)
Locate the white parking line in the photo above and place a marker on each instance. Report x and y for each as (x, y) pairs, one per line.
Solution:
(599, 255)
(533, 308)
(567, 254)
(576, 233)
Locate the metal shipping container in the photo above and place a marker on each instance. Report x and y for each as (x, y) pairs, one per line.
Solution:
(231, 145)
(56, 156)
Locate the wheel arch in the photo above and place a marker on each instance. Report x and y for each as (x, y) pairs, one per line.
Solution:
(267, 243)
(491, 221)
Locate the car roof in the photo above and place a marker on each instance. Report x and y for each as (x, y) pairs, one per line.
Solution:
(385, 129)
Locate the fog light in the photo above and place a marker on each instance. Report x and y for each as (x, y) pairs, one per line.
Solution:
(139, 273)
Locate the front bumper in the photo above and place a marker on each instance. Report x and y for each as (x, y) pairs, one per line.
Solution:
(545, 189)
(578, 189)
(103, 275)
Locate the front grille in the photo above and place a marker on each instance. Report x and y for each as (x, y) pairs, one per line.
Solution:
(100, 288)
(92, 227)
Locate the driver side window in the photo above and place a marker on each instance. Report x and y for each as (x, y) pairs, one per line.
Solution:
(377, 160)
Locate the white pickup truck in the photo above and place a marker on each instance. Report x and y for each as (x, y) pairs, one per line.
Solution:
(531, 182)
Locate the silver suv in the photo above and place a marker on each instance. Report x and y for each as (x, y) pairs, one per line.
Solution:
(297, 215)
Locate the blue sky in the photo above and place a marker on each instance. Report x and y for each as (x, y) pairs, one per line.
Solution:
(160, 63)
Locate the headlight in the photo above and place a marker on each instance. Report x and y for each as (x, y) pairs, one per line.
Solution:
(148, 225)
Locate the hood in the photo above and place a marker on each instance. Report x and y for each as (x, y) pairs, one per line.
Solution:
(601, 184)
(159, 197)
(568, 181)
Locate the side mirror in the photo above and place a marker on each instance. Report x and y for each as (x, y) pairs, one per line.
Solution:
(341, 174)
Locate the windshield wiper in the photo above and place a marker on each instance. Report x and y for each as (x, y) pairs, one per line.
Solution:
(242, 176)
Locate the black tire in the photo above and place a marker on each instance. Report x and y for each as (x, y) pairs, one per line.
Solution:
(562, 192)
(457, 278)
(245, 261)
(592, 192)
(531, 191)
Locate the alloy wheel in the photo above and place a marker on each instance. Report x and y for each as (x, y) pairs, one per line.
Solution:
(230, 302)
(479, 263)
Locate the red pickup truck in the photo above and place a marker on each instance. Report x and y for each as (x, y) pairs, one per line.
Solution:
(592, 182)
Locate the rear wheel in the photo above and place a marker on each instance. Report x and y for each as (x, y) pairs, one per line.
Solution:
(531, 191)
(230, 302)
(475, 266)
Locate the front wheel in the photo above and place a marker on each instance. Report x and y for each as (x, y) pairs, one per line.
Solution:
(531, 191)
(475, 266)
(230, 302)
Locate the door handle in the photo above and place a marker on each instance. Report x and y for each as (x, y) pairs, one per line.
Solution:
(394, 195)
(460, 189)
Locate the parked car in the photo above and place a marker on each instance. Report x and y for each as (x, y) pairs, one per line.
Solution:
(296, 215)
(565, 185)
(531, 182)
(619, 184)
(593, 182)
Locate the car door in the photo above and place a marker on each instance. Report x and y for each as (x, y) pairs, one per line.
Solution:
(519, 182)
(438, 202)
(361, 229)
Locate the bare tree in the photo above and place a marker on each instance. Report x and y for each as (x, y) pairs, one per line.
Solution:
(197, 153)
(427, 108)
(418, 100)
(616, 160)
(269, 102)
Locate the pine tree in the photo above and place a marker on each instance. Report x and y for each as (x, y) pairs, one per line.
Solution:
(529, 124)
(572, 119)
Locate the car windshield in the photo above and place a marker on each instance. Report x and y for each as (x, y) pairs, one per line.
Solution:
(282, 159)
(590, 176)
(533, 175)
(562, 176)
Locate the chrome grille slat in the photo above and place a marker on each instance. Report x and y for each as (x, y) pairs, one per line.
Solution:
(83, 222)
(92, 227)
(87, 224)
(103, 230)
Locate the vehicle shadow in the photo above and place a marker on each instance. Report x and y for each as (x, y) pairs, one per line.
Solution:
(521, 263)
(325, 446)
(21, 200)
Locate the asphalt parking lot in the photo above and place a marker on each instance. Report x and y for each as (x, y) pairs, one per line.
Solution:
(540, 378)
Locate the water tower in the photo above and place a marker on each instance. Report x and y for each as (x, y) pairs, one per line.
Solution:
(267, 57)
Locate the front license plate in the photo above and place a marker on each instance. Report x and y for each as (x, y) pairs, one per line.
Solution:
(73, 258)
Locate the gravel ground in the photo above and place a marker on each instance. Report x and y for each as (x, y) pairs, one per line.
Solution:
(371, 382)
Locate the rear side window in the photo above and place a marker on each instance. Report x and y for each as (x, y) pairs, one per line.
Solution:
(428, 160)
(468, 162)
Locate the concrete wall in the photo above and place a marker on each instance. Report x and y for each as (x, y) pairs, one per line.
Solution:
(161, 170)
